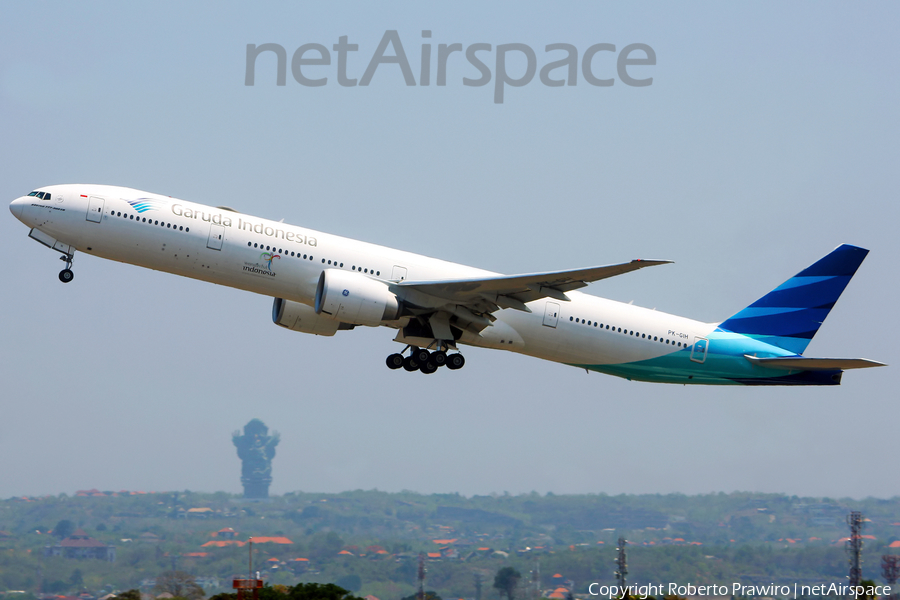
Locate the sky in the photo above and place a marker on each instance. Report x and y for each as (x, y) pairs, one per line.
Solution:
(768, 136)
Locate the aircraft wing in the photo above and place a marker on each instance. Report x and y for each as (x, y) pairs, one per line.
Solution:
(813, 364)
(487, 294)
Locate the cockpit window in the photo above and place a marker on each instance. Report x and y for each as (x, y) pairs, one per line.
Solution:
(40, 195)
(33, 194)
(47, 196)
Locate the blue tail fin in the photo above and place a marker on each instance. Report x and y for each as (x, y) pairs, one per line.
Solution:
(790, 315)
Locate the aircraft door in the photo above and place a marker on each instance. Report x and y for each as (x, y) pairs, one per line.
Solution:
(551, 314)
(698, 350)
(95, 209)
(216, 237)
(399, 273)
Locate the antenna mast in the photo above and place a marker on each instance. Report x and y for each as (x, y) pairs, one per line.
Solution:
(854, 547)
(621, 563)
(421, 574)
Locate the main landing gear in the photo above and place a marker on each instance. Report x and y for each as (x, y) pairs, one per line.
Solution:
(420, 359)
(66, 275)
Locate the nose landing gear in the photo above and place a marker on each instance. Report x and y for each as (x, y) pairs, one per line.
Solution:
(420, 359)
(66, 275)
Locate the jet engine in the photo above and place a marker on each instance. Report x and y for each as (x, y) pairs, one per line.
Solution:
(300, 317)
(353, 298)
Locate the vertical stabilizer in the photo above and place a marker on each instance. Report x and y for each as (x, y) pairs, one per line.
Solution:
(791, 314)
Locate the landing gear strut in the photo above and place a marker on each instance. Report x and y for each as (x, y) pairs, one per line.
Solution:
(420, 359)
(66, 275)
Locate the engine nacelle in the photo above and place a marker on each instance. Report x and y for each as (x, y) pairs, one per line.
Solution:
(354, 298)
(300, 317)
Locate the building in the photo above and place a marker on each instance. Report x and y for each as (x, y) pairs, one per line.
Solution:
(81, 545)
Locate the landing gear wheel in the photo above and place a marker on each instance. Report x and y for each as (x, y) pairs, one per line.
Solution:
(428, 367)
(394, 361)
(439, 358)
(410, 364)
(455, 361)
(421, 355)
(66, 275)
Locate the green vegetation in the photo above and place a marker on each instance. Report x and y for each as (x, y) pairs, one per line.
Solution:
(301, 591)
(368, 542)
(507, 582)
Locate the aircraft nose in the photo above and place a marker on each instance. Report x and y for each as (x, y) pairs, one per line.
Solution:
(17, 207)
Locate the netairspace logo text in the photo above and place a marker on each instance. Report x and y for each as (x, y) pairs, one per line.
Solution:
(599, 64)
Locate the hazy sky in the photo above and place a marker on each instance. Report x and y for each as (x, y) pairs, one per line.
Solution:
(768, 137)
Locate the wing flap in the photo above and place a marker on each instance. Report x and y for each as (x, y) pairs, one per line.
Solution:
(523, 288)
(814, 364)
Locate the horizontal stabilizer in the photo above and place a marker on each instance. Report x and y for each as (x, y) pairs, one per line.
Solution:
(814, 364)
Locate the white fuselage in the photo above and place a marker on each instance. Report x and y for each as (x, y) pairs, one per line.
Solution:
(285, 261)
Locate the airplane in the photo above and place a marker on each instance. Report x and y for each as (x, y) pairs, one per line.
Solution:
(322, 284)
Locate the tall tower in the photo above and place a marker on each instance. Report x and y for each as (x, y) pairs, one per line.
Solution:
(890, 569)
(621, 563)
(256, 449)
(479, 580)
(536, 579)
(421, 577)
(854, 547)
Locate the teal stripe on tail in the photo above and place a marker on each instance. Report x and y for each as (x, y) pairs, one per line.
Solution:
(791, 314)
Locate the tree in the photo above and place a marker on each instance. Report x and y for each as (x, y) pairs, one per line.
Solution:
(319, 591)
(350, 582)
(326, 546)
(868, 590)
(129, 595)
(429, 595)
(64, 529)
(506, 581)
(178, 583)
(301, 591)
(76, 578)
